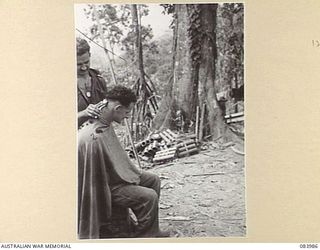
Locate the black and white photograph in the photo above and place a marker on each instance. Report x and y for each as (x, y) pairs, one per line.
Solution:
(155, 122)
(160, 120)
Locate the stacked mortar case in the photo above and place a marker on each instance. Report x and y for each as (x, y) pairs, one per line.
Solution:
(165, 146)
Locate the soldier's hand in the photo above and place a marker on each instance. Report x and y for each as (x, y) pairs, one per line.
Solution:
(101, 104)
(93, 110)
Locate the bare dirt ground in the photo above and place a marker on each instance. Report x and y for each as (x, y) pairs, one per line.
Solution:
(203, 195)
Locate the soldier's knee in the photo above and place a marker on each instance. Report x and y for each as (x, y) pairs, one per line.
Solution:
(150, 196)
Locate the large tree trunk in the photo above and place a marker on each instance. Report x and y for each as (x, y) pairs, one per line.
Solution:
(163, 118)
(186, 59)
(195, 80)
(216, 125)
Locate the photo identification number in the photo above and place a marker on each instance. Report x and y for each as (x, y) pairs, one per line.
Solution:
(309, 246)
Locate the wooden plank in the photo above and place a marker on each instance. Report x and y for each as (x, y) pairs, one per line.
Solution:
(185, 153)
(166, 152)
(236, 119)
(234, 115)
(163, 158)
(187, 147)
(206, 174)
(187, 142)
(176, 218)
(186, 136)
(159, 153)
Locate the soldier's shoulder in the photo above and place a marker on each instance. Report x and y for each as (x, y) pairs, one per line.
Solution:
(90, 132)
(95, 72)
(84, 132)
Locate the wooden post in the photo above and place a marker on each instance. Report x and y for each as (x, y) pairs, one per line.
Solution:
(202, 122)
(197, 125)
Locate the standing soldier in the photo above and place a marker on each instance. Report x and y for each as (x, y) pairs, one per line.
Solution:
(91, 86)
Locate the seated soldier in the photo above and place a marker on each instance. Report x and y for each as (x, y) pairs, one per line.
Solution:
(107, 177)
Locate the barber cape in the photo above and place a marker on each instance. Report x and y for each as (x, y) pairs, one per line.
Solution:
(99, 154)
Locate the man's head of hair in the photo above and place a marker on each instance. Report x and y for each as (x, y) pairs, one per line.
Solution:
(122, 94)
(82, 47)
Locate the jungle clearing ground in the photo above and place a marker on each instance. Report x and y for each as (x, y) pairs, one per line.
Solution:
(203, 195)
